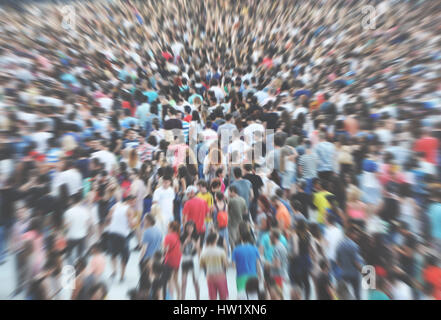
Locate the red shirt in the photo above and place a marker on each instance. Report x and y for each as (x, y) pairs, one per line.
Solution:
(428, 145)
(173, 254)
(188, 118)
(196, 209)
(432, 275)
(128, 105)
(167, 56)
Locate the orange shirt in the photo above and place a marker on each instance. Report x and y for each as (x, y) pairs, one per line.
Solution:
(283, 217)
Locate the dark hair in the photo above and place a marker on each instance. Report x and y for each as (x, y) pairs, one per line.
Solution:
(237, 172)
(174, 226)
(211, 238)
(151, 219)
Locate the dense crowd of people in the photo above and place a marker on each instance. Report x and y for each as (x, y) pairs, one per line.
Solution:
(284, 141)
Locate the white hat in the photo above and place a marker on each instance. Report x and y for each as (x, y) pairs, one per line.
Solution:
(191, 189)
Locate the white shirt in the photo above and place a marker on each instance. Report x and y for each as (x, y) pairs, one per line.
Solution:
(176, 48)
(41, 138)
(106, 157)
(106, 103)
(72, 178)
(164, 198)
(249, 131)
(78, 219)
(218, 92)
(298, 111)
(119, 223)
(239, 146)
(333, 236)
(209, 135)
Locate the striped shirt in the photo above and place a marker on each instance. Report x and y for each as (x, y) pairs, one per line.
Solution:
(308, 162)
(213, 260)
(185, 129)
(53, 155)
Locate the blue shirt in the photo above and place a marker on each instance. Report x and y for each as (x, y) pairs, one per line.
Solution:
(435, 219)
(243, 189)
(153, 240)
(348, 253)
(151, 95)
(245, 256)
(325, 152)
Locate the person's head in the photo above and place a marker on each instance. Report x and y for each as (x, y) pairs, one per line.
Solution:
(219, 173)
(173, 227)
(130, 200)
(315, 231)
(248, 167)
(237, 173)
(166, 182)
(211, 239)
(244, 233)
(275, 201)
(203, 186)
(191, 191)
(233, 191)
(229, 117)
(150, 220)
(190, 228)
(215, 185)
(275, 236)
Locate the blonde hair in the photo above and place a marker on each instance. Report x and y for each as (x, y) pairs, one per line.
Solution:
(68, 143)
(133, 158)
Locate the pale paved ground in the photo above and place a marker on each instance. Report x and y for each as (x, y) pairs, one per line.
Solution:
(117, 290)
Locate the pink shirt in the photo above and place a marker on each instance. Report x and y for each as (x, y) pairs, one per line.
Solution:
(179, 153)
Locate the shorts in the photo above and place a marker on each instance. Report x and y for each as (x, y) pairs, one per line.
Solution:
(168, 272)
(118, 246)
(241, 282)
(147, 205)
(187, 265)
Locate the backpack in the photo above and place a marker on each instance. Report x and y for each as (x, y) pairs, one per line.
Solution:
(222, 219)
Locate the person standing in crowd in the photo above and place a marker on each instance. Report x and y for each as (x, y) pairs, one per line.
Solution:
(350, 261)
(213, 261)
(246, 259)
(172, 257)
(195, 210)
(237, 210)
(163, 197)
(120, 224)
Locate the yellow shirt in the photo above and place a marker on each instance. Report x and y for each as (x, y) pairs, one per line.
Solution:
(321, 204)
(209, 200)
